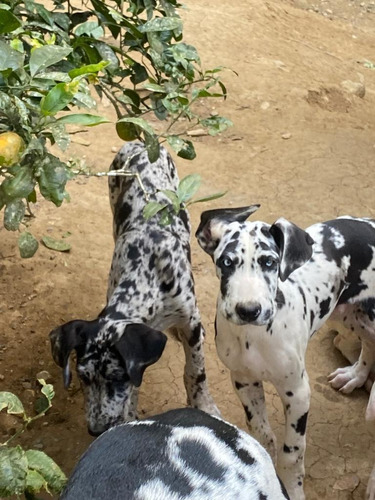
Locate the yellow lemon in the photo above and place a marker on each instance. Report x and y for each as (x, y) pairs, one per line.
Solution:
(11, 147)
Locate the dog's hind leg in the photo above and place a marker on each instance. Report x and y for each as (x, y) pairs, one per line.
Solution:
(198, 396)
(251, 394)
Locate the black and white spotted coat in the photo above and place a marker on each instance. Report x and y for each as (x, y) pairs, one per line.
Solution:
(151, 288)
(278, 286)
(180, 455)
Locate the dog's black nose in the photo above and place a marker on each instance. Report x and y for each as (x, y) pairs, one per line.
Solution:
(248, 312)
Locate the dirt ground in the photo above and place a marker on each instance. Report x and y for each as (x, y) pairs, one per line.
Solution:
(302, 145)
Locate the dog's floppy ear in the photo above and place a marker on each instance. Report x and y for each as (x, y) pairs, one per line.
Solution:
(213, 224)
(140, 346)
(64, 339)
(295, 246)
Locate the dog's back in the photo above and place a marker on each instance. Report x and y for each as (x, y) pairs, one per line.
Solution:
(129, 194)
(182, 454)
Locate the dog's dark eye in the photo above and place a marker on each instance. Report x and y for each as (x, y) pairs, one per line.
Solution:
(227, 262)
(267, 262)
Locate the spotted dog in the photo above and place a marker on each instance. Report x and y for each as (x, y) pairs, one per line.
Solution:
(351, 349)
(151, 288)
(278, 285)
(193, 457)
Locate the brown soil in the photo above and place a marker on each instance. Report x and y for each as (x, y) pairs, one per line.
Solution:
(301, 145)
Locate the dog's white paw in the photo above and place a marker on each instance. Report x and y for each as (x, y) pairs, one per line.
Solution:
(347, 379)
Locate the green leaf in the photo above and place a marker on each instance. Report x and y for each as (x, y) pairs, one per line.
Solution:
(88, 69)
(188, 186)
(13, 471)
(43, 57)
(12, 402)
(58, 245)
(183, 148)
(90, 28)
(60, 135)
(208, 198)
(161, 24)
(152, 147)
(216, 124)
(10, 58)
(35, 482)
(152, 208)
(56, 99)
(13, 214)
(47, 389)
(166, 218)
(154, 87)
(174, 199)
(139, 74)
(84, 119)
(47, 468)
(42, 405)
(129, 128)
(21, 185)
(52, 179)
(8, 21)
(27, 245)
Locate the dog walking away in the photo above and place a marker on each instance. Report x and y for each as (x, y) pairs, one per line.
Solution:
(182, 454)
(151, 288)
(278, 285)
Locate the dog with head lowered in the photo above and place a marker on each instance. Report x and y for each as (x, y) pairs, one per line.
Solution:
(278, 285)
(151, 288)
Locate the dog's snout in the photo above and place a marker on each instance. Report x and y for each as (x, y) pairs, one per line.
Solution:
(248, 312)
(97, 430)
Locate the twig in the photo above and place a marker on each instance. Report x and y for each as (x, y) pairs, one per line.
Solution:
(125, 172)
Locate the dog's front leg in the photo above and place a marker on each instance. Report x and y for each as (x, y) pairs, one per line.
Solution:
(295, 396)
(198, 395)
(348, 378)
(250, 391)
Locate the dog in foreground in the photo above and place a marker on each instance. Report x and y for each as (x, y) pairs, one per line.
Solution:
(182, 454)
(278, 285)
(151, 288)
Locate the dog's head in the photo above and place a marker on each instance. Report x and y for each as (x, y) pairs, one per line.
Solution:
(250, 258)
(111, 360)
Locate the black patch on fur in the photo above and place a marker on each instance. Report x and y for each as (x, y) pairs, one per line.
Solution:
(289, 393)
(324, 307)
(368, 307)
(312, 317)
(249, 415)
(280, 299)
(286, 449)
(198, 458)
(239, 386)
(304, 301)
(196, 335)
(301, 424)
(359, 237)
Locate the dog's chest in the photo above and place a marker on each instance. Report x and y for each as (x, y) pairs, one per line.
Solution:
(254, 351)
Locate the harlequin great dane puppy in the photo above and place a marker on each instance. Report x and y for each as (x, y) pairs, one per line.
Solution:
(193, 456)
(151, 288)
(278, 285)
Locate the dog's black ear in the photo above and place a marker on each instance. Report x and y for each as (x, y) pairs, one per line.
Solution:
(213, 224)
(67, 337)
(140, 346)
(295, 246)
